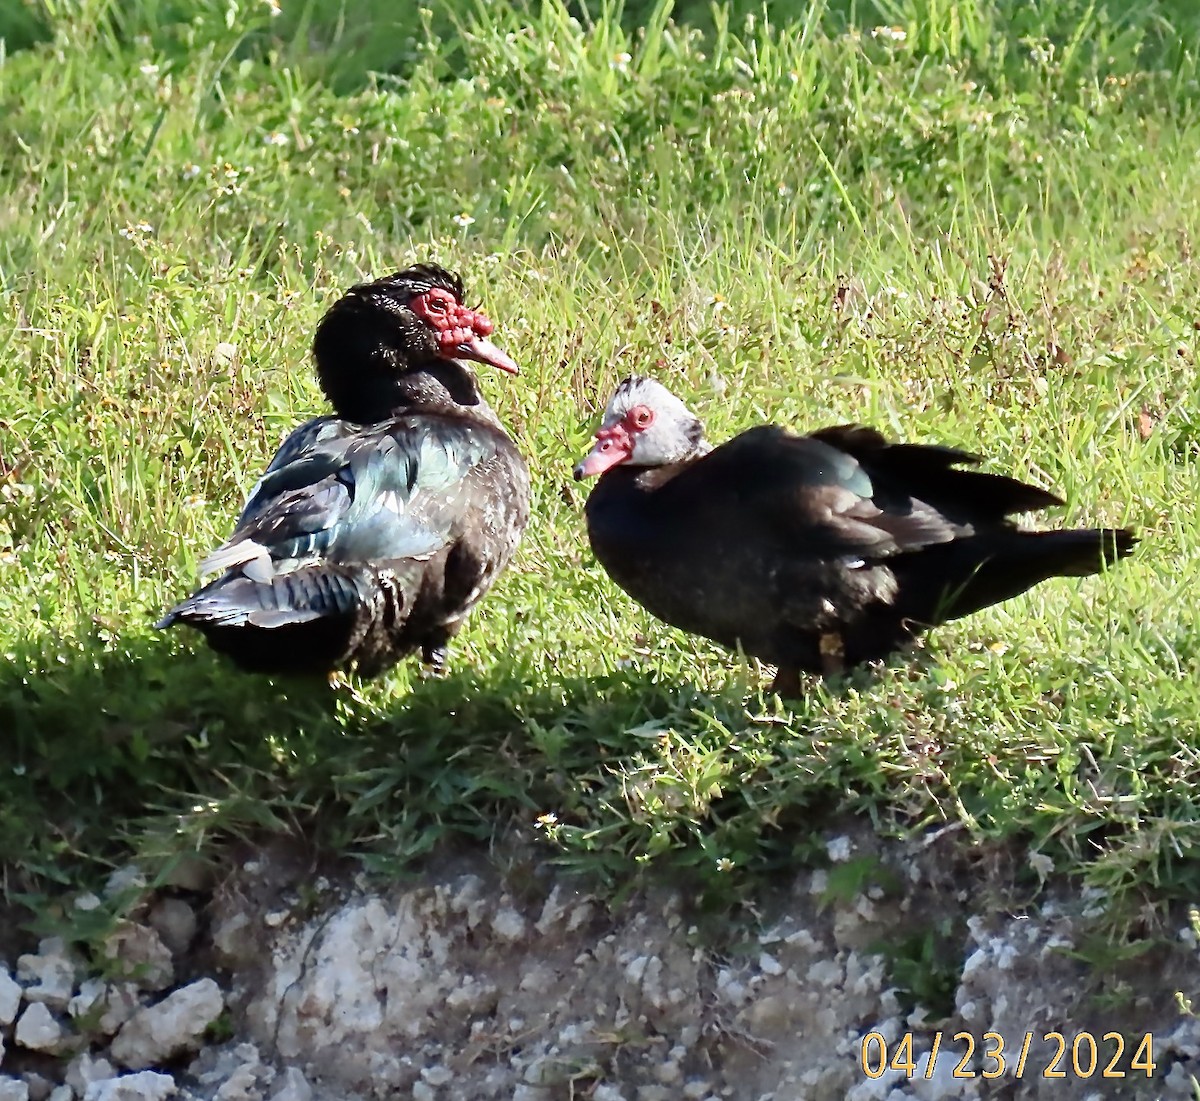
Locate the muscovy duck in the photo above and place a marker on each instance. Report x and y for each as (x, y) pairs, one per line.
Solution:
(816, 552)
(375, 531)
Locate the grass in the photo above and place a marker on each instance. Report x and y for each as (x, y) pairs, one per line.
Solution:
(970, 223)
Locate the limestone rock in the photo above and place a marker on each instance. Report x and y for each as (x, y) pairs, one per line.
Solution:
(292, 1086)
(85, 1069)
(48, 974)
(13, 1089)
(138, 954)
(38, 1030)
(39, 1086)
(146, 1086)
(10, 997)
(173, 1026)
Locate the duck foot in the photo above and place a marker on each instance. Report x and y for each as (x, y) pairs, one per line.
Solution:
(433, 661)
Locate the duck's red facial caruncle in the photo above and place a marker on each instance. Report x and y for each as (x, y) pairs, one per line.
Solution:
(615, 444)
(461, 333)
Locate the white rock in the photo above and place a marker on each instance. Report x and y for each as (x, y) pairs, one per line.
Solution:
(769, 965)
(85, 1069)
(13, 1089)
(61, 1093)
(508, 924)
(1, 1049)
(174, 1025)
(140, 956)
(241, 1085)
(292, 1086)
(121, 1001)
(48, 975)
(215, 1065)
(37, 1029)
(10, 997)
(38, 1085)
(146, 1086)
(230, 936)
(91, 993)
(437, 1075)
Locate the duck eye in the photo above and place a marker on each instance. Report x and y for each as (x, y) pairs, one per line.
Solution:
(642, 417)
(434, 304)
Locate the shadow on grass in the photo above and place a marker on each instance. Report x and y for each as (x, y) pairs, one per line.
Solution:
(145, 749)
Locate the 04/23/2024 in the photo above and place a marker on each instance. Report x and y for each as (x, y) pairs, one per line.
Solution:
(1048, 1055)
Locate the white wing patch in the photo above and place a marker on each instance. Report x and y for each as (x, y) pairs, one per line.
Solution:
(247, 553)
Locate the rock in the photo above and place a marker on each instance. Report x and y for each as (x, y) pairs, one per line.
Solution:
(236, 1070)
(230, 936)
(13, 1089)
(91, 994)
(85, 1069)
(38, 1030)
(241, 1085)
(1, 1049)
(101, 1008)
(292, 1086)
(140, 956)
(61, 1093)
(121, 1002)
(39, 1086)
(146, 1086)
(171, 1027)
(48, 975)
(175, 922)
(10, 997)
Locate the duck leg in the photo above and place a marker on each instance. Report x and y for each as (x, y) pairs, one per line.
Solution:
(786, 684)
(833, 654)
(433, 655)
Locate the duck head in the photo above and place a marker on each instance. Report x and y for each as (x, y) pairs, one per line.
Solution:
(412, 320)
(644, 425)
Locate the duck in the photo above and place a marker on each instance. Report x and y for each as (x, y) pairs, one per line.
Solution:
(813, 553)
(374, 530)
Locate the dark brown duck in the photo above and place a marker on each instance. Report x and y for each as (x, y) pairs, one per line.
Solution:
(813, 553)
(374, 532)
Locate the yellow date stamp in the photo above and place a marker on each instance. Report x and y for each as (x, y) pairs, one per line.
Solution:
(1054, 1055)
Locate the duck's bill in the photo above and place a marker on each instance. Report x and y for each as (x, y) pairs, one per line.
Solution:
(483, 350)
(604, 456)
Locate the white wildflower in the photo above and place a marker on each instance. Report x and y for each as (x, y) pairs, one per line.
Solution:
(275, 138)
(890, 34)
(1042, 864)
(463, 220)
